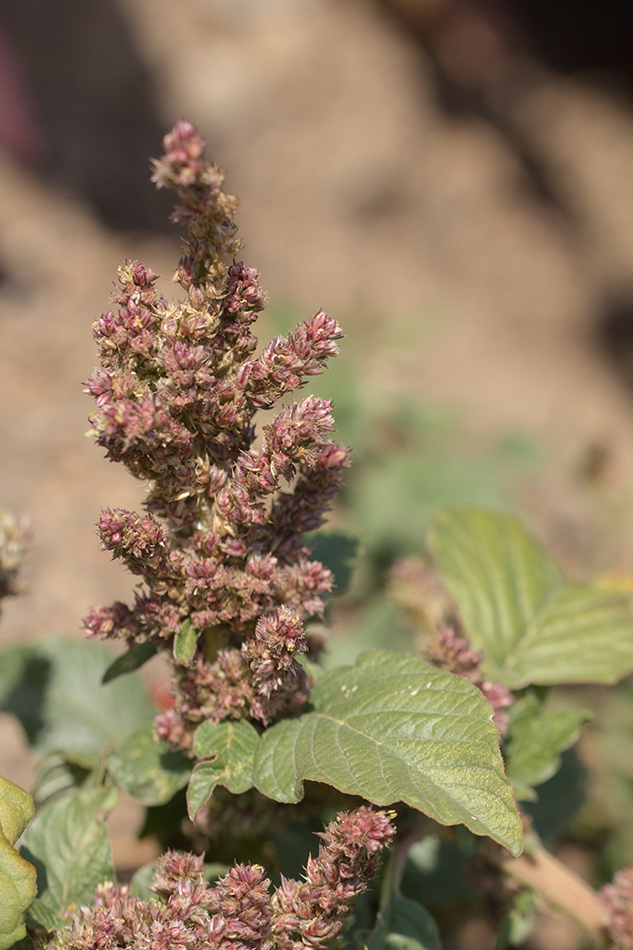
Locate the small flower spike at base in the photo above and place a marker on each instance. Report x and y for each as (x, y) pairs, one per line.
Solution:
(617, 900)
(220, 548)
(241, 912)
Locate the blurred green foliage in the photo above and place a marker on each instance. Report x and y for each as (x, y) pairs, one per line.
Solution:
(409, 459)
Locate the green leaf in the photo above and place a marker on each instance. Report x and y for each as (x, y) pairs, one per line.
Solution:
(185, 643)
(148, 769)
(497, 574)
(54, 688)
(133, 659)
(338, 551)
(229, 748)
(535, 741)
(41, 917)
(26, 943)
(68, 844)
(582, 635)
(403, 925)
(17, 876)
(516, 606)
(392, 728)
(16, 810)
(55, 777)
(517, 923)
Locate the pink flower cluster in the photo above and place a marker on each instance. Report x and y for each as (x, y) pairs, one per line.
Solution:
(260, 680)
(240, 912)
(221, 546)
(617, 900)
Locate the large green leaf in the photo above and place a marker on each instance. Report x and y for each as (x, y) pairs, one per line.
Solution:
(403, 925)
(392, 728)
(497, 574)
(148, 769)
(228, 748)
(55, 776)
(535, 741)
(17, 876)
(54, 688)
(68, 844)
(582, 635)
(517, 607)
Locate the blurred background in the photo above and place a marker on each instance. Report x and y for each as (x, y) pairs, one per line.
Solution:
(451, 179)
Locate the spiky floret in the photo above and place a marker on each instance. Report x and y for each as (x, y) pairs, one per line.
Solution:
(221, 545)
(241, 912)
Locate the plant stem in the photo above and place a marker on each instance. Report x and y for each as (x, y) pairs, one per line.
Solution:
(560, 886)
(394, 870)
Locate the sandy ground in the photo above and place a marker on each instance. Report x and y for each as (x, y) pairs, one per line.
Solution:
(361, 195)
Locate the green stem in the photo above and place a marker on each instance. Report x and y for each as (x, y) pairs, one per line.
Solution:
(394, 870)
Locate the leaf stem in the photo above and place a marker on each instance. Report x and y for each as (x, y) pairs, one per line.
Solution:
(394, 870)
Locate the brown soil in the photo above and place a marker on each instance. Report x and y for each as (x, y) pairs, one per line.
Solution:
(360, 194)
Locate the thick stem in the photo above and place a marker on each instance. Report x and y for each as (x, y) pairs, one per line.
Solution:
(560, 886)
